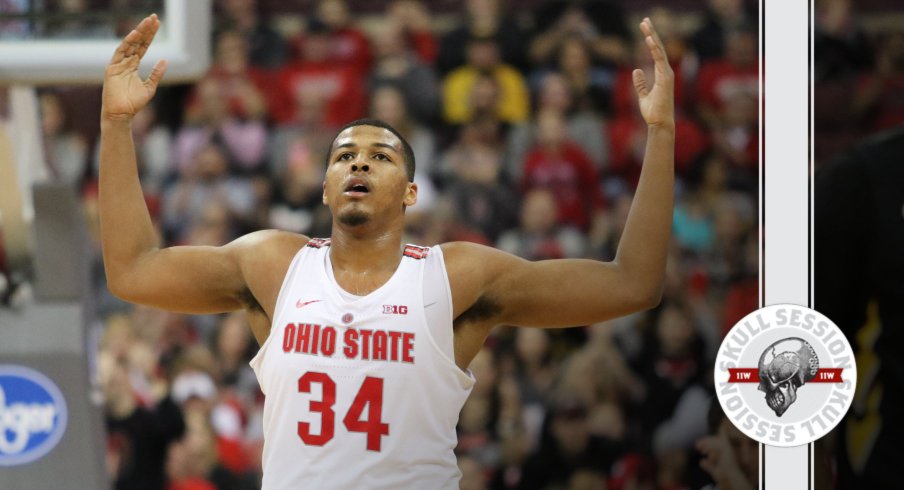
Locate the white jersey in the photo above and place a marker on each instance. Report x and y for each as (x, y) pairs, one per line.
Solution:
(361, 392)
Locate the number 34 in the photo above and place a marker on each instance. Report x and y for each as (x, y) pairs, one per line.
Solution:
(370, 394)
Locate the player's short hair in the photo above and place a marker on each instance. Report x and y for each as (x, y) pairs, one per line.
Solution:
(408, 153)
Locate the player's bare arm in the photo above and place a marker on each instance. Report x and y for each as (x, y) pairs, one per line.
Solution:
(185, 279)
(491, 287)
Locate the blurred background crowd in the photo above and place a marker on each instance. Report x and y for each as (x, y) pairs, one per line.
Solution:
(524, 124)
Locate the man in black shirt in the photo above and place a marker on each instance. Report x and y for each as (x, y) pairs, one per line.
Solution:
(859, 284)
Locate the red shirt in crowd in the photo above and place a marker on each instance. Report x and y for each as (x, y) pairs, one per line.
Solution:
(230, 86)
(718, 80)
(351, 46)
(336, 85)
(570, 176)
(347, 47)
(424, 45)
(627, 132)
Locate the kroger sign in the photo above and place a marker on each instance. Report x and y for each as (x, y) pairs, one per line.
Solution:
(32, 415)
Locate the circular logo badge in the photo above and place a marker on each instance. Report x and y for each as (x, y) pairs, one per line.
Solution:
(32, 415)
(785, 375)
(347, 318)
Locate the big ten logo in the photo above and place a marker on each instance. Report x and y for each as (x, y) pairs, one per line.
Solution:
(395, 310)
(32, 415)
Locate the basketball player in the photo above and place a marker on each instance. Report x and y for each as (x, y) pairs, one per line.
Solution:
(365, 343)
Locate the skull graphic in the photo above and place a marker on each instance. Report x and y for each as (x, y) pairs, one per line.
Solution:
(784, 367)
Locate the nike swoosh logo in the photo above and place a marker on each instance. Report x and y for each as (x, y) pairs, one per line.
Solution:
(299, 304)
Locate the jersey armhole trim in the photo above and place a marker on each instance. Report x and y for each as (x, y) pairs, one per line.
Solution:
(465, 375)
(277, 309)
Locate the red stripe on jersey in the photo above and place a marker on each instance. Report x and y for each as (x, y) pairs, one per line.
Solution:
(416, 252)
(318, 242)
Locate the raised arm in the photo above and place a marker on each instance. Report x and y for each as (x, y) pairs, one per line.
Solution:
(186, 279)
(558, 293)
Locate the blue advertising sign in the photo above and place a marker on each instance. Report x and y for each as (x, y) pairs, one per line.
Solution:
(32, 415)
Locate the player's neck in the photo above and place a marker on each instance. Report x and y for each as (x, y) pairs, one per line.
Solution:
(357, 251)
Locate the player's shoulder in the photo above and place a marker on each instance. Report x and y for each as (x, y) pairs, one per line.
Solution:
(462, 250)
(271, 238)
(471, 249)
(267, 244)
(473, 257)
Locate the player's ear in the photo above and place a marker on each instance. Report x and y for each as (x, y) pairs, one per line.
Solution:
(410, 195)
(325, 202)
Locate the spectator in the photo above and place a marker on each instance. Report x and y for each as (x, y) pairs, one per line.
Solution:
(858, 270)
(729, 457)
(413, 18)
(540, 236)
(670, 364)
(233, 349)
(266, 47)
(586, 128)
(243, 140)
(485, 127)
(878, 98)
(483, 59)
(190, 461)
(601, 25)
(317, 77)
(572, 457)
(482, 199)
(721, 79)
(733, 216)
(348, 45)
(137, 436)
(475, 423)
(692, 225)
(65, 150)
(841, 47)
(297, 203)
(721, 17)
(842, 57)
(535, 375)
(484, 19)
(398, 65)
(206, 182)
(590, 85)
(240, 83)
(736, 135)
(559, 165)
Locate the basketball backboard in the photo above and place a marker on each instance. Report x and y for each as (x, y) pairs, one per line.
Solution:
(35, 53)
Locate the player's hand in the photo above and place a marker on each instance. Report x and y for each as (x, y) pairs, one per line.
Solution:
(125, 93)
(657, 102)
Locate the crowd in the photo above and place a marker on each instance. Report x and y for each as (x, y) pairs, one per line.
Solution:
(858, 77)
(527, 137)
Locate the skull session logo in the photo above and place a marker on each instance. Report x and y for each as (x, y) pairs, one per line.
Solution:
(785, 375)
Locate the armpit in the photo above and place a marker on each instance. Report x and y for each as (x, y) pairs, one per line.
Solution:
(483, 309)
(250, 302)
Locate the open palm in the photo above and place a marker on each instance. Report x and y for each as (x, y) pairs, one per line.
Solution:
(125, 93)
(657, 102)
